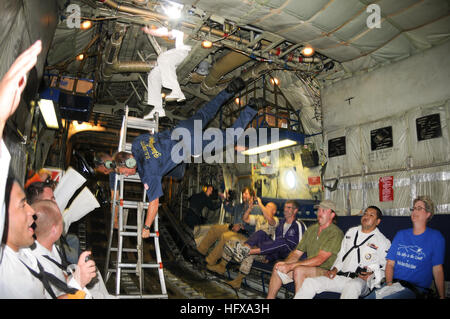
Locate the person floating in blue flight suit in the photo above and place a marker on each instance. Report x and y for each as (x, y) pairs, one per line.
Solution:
(152, 153)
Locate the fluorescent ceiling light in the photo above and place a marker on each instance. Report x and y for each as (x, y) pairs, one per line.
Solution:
(48, 113)
(270, 147)
(283, 138)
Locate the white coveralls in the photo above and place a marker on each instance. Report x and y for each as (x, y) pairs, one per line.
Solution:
(164, 74)
(372, 254)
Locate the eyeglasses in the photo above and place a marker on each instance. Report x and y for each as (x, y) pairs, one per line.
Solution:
(289, 207)
(417, 208)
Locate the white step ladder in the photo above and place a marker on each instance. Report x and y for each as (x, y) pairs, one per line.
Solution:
(120, 268)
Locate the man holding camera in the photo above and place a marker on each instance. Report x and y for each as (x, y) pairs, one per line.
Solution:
(359, 265)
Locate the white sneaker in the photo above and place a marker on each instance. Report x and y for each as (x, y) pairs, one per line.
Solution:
(175, 96)
(241, 251)
(228, 248)
(161, 113)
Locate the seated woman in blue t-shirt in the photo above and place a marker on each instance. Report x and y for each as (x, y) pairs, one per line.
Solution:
(415, 257)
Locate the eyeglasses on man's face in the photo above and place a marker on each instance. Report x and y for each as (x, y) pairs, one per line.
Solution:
(418, 208)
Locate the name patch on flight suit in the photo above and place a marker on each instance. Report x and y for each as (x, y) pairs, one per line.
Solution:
(154, 151)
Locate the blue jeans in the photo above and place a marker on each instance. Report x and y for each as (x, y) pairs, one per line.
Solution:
(208, 112)
(403, 294)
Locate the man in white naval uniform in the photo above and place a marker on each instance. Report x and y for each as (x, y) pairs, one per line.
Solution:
(12, 85)
(16, 281)
(359, 265)
(49, 226)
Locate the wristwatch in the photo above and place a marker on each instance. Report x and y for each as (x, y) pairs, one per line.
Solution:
(146, 227)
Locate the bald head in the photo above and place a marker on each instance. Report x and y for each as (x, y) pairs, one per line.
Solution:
(48, 216)
(272, 207)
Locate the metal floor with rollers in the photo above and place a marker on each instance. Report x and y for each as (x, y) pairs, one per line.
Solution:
(184, 280)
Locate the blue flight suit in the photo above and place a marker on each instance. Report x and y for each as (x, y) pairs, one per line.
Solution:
(153, 151)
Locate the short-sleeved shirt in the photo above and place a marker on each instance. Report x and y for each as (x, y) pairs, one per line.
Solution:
(329, 240)
(16, 281)
(153, 155)
(261, 223)
(416, 255)
(238, 210)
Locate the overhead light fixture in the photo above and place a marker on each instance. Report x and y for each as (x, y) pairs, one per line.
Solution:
(172, 9)
(274, 81)
(86, 25)
(47, 107)
(206, 44)
(48, 113)
(237, 101)
(80, 57)
(284, 139)
(307, 51)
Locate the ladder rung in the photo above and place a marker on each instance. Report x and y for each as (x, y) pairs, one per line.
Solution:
(131, 234)
(127, 233)
(141, 124)
(132, 178)
(128, 271)
(126, 250)
(124, 265)
(133, 204)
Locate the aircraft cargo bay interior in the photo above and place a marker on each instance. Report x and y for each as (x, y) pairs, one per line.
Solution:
(239, 149)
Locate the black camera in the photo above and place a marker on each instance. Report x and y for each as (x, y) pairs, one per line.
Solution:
(231, 195)
(360, 270)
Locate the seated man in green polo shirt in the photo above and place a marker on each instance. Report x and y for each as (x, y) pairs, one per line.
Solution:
(321, 242)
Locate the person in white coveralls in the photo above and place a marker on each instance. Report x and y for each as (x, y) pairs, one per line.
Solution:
(164, 73)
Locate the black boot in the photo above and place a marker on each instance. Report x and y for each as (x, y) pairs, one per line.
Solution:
(235, 85)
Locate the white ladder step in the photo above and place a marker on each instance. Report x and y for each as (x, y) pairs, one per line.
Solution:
(126, 250)
(133, 204)
(125, 265)
(132, 178)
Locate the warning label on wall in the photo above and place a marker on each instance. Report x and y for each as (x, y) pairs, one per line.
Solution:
(386, 189)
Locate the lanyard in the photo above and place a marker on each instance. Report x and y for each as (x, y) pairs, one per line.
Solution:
(47, 279)
(357, 246)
